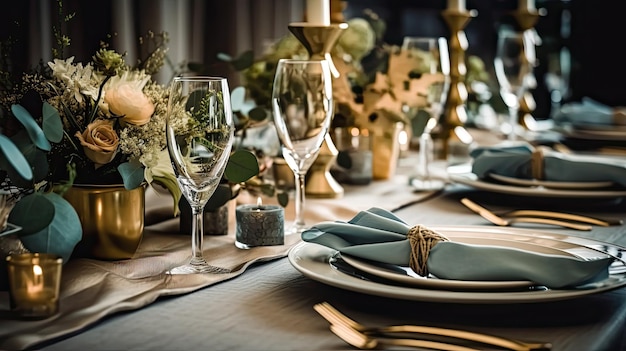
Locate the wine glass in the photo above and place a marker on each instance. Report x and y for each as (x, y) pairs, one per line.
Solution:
(432, 66)
(513, 63)
(199, 132)
(302, 104)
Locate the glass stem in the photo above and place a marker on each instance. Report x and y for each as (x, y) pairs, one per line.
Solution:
(197, 234)
(300, 198)
(425, 156)
(513, 122)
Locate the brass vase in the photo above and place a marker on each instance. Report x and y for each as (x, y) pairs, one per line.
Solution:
(112, 219)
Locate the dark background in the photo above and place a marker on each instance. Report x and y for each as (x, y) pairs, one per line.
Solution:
(596, 41)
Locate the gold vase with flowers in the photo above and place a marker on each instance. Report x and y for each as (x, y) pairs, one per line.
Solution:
(96, 145)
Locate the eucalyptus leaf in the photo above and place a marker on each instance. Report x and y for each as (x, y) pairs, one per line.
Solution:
(35, 132)
(258, 114)
(63, 233)
(283, 199)
(52, 124)
(224, 57)
(245, 60)
(238, 98)
(132, 173)
(33, 213)
(14, 157)
(242, 165)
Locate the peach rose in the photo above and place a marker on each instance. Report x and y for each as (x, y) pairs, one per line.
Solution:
(128, 100)
(100, 141)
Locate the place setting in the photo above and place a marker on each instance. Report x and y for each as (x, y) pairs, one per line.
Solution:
(374, 254)
(521, 168)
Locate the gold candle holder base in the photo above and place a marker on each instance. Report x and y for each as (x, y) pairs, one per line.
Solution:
(451, 128)
(526, 19)
(319, 41)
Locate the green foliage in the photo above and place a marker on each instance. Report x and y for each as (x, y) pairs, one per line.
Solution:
(61, 235)
(241, 166)
(132, 173)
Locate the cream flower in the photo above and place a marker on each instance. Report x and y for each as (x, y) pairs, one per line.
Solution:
(77, 78)
(124, 97)
(100, 142)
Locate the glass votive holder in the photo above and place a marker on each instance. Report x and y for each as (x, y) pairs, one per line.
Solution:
(259, 225)
(34, 284)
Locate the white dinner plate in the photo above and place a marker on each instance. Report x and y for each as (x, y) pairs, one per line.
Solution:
(550, 184)
(596, 132)
(472, 180)
(406, 276)
(312, 260)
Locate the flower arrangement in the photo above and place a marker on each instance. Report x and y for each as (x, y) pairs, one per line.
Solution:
(65, 122)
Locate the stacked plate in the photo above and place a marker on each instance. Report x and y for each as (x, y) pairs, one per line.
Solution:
(328, 266)
(533, 187)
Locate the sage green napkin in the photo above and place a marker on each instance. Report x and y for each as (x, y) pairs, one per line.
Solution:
(587, 111)
(379, 235)
(514, 160)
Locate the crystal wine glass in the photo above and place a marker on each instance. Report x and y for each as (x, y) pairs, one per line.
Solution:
(513, 63)
(432, 66)
(199, 131)
(302, 105)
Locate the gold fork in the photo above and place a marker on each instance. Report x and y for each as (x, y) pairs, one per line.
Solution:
(336, 318)
(368, 342)
(604, 222)
(497, 220)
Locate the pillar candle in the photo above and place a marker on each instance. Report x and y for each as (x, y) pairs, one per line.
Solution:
(456, 5)
(318, 12)
(527, 4)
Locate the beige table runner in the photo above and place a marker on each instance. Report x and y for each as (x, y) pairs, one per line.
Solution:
(93, 289)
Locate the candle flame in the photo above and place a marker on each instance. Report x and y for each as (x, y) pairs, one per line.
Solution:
(37, 270)
(259, 202)
(36, 285)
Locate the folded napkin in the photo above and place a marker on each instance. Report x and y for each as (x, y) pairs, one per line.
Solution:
(589, 111)
(524, 161)
(379, 235)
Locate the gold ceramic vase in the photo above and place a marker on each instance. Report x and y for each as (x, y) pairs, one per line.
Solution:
(112, 219)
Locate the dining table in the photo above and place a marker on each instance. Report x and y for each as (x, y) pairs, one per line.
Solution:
(266, 301)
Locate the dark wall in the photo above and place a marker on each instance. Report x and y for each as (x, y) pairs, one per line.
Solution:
(596, 38)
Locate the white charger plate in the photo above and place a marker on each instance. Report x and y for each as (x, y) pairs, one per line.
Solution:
(312, 260)
(472, 180)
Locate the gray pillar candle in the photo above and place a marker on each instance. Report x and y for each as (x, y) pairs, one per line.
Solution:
(259, 225)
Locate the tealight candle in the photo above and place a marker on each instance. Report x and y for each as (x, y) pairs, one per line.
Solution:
(318, 12)
(259, 225)
(34, 284)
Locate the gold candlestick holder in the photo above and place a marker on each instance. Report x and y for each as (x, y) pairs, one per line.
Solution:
(319, 41)
(526, 19)
(451, 127)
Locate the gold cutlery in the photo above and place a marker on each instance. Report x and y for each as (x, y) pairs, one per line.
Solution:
(368, 342)
(336, 319)
(500, 221)
(604, 222)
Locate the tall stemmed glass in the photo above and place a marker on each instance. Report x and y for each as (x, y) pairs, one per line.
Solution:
(513, 63)
(432, 65)
(199, 131)
(302, 105)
